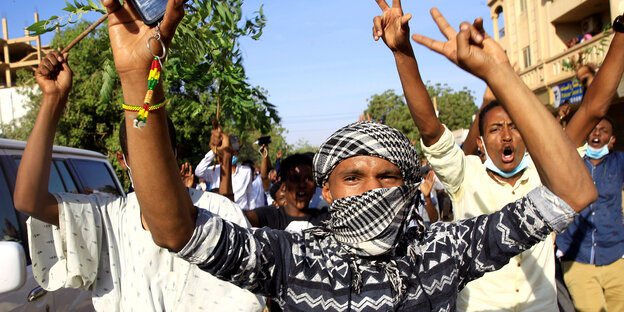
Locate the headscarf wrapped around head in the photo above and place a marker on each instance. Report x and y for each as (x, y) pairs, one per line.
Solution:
(368, 139)
(372, 223)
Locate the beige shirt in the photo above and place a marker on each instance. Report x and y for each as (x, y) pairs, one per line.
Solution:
(527, 283)
(100, 245)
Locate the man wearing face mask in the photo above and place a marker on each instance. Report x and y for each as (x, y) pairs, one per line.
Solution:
(361, 260)
(242, 176)
(593, 246)
(527, 283)
(476, 188)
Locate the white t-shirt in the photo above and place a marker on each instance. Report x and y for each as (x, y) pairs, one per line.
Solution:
(241, 181)
(100, 245)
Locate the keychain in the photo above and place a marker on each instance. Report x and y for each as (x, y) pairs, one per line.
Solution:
(152, 82)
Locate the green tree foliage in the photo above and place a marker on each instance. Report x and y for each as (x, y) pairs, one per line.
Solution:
(455, 109)
(203, 68)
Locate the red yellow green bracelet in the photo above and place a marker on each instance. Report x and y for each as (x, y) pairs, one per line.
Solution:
(150, 108)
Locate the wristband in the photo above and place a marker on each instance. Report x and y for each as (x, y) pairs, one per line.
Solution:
(149, 108)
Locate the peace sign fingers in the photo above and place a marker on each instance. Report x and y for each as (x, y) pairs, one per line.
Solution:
(443, 25)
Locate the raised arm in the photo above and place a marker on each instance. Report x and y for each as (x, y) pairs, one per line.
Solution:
(220, 142)
(204, 164)
(555, 157)
(599, 93)
(392, 27)
(470, 144)
(265, 167)
(165, 202)
(425, 187)
(31, 194)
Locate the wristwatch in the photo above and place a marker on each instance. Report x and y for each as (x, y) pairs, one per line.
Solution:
(618, 24)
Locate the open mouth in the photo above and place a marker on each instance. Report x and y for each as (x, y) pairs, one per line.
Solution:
(595, 142)
(508, 155)
(301, 195)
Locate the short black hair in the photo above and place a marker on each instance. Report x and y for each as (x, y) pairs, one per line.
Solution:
(274, 188)
(249, 163)
(291, 162)
(608, 119)
(488, 107)
(123, 136)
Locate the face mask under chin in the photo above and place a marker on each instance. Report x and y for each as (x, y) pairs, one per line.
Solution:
(598, 153)
(524, 163)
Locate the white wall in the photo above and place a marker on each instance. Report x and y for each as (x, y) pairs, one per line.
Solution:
(11, 105)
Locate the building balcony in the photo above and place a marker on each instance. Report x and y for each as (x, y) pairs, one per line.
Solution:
(549, 72)
(565, 11)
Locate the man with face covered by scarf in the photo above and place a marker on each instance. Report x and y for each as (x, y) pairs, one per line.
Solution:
(362, 260)
(507, 133)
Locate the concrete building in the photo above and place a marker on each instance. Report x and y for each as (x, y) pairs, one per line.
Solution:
(544, 37)
(16, 54)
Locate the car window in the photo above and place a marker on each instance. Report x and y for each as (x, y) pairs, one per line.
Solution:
(95, 176)
(70, 186)
(9, 228)
(55, 184)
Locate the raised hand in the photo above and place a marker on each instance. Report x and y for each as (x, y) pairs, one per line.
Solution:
(186, 172)
(392, 26)
(479, 59)
(54, 75)
(220, 142)
(484, 48)
(129, 35)
(427, 183)
(447, 48)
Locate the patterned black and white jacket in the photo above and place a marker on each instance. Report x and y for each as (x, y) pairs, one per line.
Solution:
(306, 272)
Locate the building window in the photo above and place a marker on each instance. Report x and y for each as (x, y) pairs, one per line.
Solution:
(526, 55)
(523, 6)
(501, 21)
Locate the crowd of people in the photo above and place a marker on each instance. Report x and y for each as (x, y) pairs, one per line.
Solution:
(364, 224)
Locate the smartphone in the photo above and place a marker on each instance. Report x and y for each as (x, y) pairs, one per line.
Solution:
(264, 140)
(151, 11)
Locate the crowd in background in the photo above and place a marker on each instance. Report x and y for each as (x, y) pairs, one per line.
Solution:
(363, 224)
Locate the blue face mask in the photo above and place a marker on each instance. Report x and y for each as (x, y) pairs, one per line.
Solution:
(594, 153)
(234, 159)
(505, 174)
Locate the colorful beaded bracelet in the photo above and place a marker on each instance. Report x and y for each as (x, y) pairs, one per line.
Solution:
(138, 108)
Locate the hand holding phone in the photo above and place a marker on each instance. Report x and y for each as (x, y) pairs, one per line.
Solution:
(151, 11)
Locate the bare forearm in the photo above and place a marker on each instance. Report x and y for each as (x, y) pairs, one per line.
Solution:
(599, 94)
(225, 186)
(556, 159)
(165, 203)
(31, 194)
(417, 98)
(470, 144)
(264, 173)
(431, 209)
(252, 217)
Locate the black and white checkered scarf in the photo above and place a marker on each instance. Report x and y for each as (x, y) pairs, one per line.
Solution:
(372, 223)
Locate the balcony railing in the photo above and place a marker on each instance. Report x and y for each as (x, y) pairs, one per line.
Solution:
(551, 71)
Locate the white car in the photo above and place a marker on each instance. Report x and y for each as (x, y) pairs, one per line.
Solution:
(72, 170)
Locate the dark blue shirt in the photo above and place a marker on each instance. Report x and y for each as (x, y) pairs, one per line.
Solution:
(597, 234)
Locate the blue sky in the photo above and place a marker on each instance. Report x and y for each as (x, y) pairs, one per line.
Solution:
(317, 59)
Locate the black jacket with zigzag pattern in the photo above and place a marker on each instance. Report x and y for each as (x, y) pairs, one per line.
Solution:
(306, 272)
